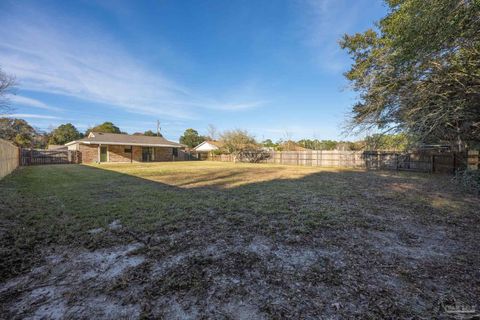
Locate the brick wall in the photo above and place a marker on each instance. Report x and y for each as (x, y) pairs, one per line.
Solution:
(163, 154)
(118, 154)
(137, 154)
(89, 153)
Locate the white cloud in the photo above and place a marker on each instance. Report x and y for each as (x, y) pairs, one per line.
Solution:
(323, 23)
(242, 106)
(61, 56)
(24, 101)
(29, 116)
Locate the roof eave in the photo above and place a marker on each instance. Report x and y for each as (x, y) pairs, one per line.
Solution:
(129, 144)
(70, 143)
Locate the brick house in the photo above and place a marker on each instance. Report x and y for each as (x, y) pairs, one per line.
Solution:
(114, 147)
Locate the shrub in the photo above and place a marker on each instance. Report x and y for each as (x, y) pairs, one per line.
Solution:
(469, 180)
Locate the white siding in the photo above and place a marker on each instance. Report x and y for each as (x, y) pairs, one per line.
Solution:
(206, 147)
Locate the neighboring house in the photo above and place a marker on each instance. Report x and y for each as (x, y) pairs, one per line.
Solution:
(208, 146)
(292, 146)
(114, 147)
(56, 147)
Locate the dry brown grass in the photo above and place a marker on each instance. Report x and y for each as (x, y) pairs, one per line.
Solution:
(222, 240)
(213, 174)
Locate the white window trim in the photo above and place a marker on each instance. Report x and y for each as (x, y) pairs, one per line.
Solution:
(100, 152)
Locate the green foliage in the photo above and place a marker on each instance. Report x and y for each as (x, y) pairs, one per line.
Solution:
(106, 127)
(17, 131)
(318, 144)
(396, 142)
(217, 152)
(420, 71)
(63, 134)
(152, 134)
(191, 138)
(355, 146)
(268, 143)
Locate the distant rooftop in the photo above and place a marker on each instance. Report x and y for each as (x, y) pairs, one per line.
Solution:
(126, 139)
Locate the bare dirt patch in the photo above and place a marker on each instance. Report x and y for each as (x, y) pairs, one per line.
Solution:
(329, 245)
(71, 283)
(361, 273)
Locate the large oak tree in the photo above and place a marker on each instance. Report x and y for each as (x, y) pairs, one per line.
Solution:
(191, 138)
(63, 134)
(106, 127)
(419, 71)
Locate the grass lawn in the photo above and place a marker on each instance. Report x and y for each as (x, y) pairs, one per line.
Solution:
(242, 241)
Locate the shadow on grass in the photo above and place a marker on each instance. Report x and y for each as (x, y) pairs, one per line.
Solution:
(306, 238)
(59, 204)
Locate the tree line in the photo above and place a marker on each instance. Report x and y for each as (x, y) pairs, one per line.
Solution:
(22, 134)
(400, 142)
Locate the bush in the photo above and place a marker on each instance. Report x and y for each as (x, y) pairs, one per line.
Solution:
(254, 156)
(469, 180)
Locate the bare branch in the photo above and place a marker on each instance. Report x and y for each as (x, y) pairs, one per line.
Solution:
(7, 86)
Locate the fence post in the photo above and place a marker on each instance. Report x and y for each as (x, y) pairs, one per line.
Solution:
(454, 162)
(473, 159)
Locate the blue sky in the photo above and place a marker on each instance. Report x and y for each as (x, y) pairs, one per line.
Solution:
(273, 68)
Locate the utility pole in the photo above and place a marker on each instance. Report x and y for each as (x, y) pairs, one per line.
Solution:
(158, 128)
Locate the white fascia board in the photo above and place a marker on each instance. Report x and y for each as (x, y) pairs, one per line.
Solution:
(131, 144)
(70, 143)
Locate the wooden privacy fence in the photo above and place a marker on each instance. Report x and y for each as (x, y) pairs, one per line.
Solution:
(185, 156)
(381, 160)
(9, 158)
(31, 157)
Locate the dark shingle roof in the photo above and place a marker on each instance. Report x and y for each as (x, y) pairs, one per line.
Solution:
(126, 139)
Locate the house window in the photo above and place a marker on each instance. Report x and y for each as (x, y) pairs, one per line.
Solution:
(175, 152)
(128, 150)
(148, 154)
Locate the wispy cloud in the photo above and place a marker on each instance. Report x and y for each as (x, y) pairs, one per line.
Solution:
(29, 116)
(29, 102)
(61, 56)
(323, 22)
(239, 106)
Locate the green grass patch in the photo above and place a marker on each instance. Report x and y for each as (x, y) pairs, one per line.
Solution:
(58, 204)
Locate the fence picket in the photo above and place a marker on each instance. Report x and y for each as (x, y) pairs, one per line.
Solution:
(373, 160)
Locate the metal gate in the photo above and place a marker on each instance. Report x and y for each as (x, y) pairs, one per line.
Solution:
(31, 157)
